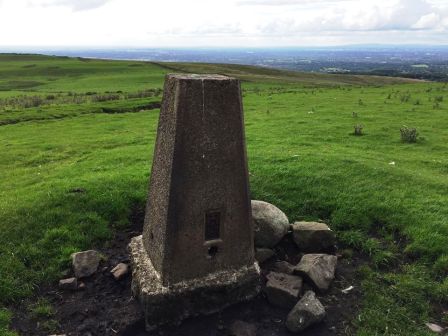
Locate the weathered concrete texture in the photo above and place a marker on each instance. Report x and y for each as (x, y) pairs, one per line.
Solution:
(198, 215)
(318, 269)
(206, 295)
(196, 255)
(313, 237)
(283, 290)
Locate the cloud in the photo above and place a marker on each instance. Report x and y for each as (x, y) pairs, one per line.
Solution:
(359, 16)
(75, 5)
(238, 23)
(287, 2)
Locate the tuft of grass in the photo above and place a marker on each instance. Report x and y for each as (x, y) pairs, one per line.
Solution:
(5, 319)
(408, 134)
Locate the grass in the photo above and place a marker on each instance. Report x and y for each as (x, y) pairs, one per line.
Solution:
(384, 197)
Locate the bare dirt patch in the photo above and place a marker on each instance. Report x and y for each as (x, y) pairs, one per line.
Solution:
(106, 307)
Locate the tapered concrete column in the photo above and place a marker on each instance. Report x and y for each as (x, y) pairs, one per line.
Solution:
(196, 253)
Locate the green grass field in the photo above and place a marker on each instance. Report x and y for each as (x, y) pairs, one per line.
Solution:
(68, 123)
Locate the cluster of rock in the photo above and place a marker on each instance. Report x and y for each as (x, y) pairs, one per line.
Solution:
(85, 264)
(285, 284)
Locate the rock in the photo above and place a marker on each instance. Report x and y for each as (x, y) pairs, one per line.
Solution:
(270, 224)
(313, 237)
(263, 254)
(68, 284)
(306, 312)
(120, 271)
(319, 269)
(85, 263)
(435, 328)
(283, 290)
(283, 267)
(241, 328)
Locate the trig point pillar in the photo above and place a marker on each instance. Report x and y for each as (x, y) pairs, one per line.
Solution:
(196, 252)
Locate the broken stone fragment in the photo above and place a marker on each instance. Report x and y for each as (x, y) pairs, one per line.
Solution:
(68, 284)
(313, 237)
(120, 271)
(85, 263)
(263, 254)
(241, 328)
(270, 224)
(306, 312)
(318, 269)
(435, 328)
(283, 290)
(283, 267)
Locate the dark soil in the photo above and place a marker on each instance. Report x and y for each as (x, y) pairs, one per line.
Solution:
(106, 307)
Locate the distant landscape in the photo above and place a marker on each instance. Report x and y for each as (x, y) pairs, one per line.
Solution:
(411, 61)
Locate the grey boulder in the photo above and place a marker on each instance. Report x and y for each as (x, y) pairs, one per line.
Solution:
(270, 224)
(313, 237)
(283, 290)
(319, 269)
(306, 312)
(85, 263)
(263, 254)
(283, 267)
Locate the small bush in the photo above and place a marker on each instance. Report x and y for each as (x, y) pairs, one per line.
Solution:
(358, 130)
(105, 97)
(409, 134)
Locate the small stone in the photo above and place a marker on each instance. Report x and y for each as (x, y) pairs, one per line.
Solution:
(82, 286)
(283, 267)
(241, 328)
(306, 312)
(283, 290)
(319, 269)
(313, 237)
(68, 284)
(270, 224)
(120, 271)
(435, 328)
(85, 263)
(263, 254)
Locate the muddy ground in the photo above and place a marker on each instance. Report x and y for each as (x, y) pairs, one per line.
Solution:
(106, 307)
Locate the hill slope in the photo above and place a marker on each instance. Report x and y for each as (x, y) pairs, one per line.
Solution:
(74, 124)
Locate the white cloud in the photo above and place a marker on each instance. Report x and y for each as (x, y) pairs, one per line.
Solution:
(76, 5)
(221, 22)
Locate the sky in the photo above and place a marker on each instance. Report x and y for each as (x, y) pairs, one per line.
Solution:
(221, 23)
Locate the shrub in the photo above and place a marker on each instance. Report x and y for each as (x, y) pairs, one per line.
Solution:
(358, 130)
(105, 97)
(408, 134)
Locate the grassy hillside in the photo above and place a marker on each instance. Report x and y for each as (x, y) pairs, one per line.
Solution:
(75, 124)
